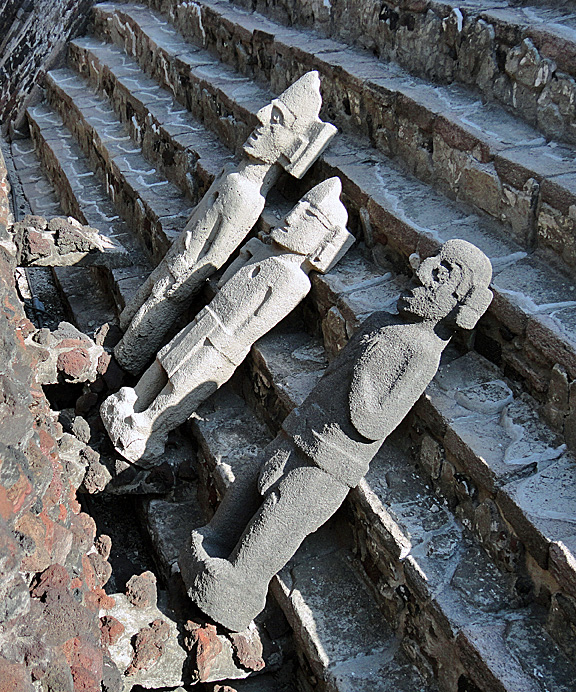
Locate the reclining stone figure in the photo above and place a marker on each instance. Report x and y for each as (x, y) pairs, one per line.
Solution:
(290, 136)
(325, 446)
(259, 289)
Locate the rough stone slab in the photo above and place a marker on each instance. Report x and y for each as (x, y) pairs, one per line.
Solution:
(169, 524)
(498, 435)
(542, 507)
(126, 282)
(168, 671)
(288, 366)
(230, 436)
(40, 195)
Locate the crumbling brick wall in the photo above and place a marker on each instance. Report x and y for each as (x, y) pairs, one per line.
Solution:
(52, 568)
(33, 35)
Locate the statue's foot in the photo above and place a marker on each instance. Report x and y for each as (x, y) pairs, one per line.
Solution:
(223, 592)
(129, 431)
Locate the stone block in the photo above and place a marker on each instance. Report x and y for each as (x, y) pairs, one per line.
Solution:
(539, 507)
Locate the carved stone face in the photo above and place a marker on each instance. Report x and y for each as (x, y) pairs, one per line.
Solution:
(274, 136)
(304, 230)
(437, 293)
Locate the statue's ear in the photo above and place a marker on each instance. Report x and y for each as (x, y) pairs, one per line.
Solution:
(307, 149)
(474, 307)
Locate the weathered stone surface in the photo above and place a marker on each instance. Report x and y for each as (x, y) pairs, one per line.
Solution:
(49, 622)
(141, 590)
(32, 40)
(65, 242)
(65, 355)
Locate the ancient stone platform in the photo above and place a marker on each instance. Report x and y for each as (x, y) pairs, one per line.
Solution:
(453, 564)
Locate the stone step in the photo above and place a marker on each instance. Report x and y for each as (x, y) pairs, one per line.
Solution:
(180, 147)
(342, 640)
(80, 192)
(75, 284)
(155, 210)
(473, 152)
(41, 198)
(530, 326)
(428, 572)
(523, 57)
(215, 93)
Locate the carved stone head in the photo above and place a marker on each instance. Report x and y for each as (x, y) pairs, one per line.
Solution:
(316, 227)
(452, 284)
(290, 132)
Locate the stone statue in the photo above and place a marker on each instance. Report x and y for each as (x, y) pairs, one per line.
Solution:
(259, 289)
(325, 445)
(290, 136)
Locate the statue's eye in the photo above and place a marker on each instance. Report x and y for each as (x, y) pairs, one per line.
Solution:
(276, 117)
(442, 272)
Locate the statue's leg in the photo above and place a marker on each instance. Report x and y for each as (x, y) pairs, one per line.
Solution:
(244, 496)
(234, 512)
(233, 591)
(145, 333)
(297, 506)
(149, 386)
(142, 295)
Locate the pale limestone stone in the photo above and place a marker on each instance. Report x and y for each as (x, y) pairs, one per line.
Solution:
(325, 445)
(290, 136)
(259, 289)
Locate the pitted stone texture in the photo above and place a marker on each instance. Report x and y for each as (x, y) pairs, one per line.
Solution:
(258, 290)
(321, 568)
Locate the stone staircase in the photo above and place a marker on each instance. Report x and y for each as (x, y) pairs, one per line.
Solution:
(452, 565)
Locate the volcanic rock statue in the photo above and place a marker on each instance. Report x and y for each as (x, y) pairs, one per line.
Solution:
(325, 445)
(290, 136)
(259, 289)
